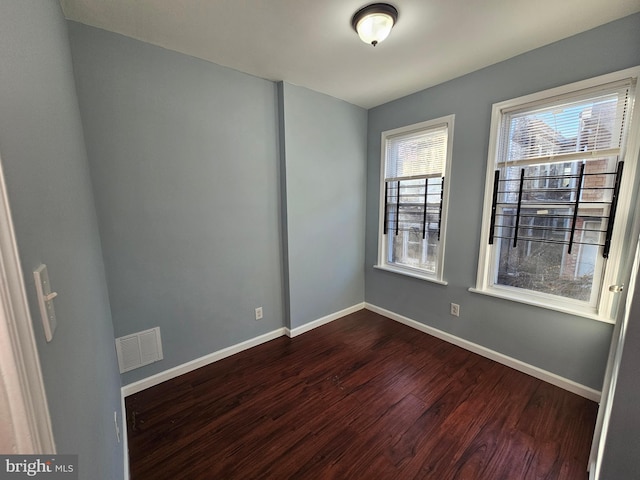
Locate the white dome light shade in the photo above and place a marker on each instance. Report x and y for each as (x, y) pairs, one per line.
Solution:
(374, 28)
(374, 22)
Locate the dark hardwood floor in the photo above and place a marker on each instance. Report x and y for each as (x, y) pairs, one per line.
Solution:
(360, 398)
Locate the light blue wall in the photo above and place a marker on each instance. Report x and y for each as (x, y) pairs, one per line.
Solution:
(44, 160)
(571, 347)
(323, 150)
(184, 161)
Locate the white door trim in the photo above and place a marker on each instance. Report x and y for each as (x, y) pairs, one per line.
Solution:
(20, 372)
(611, 374)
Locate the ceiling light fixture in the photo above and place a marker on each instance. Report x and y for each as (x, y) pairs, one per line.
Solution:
(374, 22)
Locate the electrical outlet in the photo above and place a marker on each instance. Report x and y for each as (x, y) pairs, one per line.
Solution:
(259, 313)
(115, 421)
(455, 309)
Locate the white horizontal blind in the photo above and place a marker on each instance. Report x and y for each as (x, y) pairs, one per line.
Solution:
(584, 125)
(414, 155)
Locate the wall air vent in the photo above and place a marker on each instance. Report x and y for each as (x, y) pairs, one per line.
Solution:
(139, 349)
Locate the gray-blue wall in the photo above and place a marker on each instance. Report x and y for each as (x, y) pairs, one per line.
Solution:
(323, 149)
(44, 160)
(572, 347)
(185, 168)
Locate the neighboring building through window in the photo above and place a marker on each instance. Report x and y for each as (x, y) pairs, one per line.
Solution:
(414, 189)
(555, 213)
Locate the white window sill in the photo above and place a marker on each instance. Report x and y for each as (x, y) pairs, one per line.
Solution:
(542, 304)
(410, 273)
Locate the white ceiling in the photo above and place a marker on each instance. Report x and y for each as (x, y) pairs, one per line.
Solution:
(311, 42)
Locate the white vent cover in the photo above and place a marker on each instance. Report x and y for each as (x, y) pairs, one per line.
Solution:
(139, 349)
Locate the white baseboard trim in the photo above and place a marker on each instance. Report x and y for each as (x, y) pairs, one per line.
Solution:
(324, 320)
(514, 363)
(174, 372)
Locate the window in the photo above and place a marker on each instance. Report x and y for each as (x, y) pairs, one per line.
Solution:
(558, 195)
(413, 198)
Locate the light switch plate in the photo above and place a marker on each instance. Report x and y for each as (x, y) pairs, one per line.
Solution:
(45, 301)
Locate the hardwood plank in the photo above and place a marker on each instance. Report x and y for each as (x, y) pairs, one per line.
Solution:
(361, 397)
(459, 414)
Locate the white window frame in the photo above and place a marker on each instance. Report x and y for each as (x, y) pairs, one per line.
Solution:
(604, 308)
(383, 264)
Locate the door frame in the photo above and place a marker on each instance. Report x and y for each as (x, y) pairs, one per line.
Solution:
(611, 374)
(20, 372)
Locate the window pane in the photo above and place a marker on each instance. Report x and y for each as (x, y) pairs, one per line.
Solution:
(548, 268)
(409, 249)
(418, 154)
(557, 182)
(541, 261)
(580, 126)
(406, 215)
